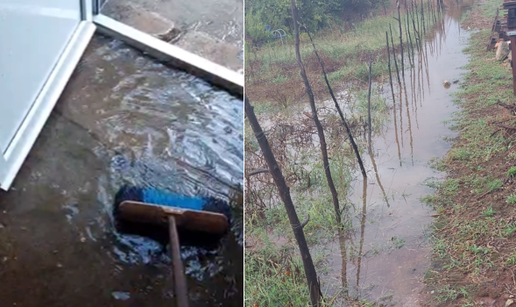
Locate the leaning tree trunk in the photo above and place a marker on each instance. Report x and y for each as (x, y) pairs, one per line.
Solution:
(284, 192)
(342, 119)
(320, 130)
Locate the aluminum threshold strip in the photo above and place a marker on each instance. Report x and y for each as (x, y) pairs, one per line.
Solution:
(31, 127)
(213, 73)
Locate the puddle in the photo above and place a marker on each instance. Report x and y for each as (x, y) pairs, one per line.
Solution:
(123, 119)
(385, 258)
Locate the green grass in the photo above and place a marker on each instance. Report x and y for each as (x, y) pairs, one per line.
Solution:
(274, 276)
(449, 294)
(494, 185)
(509, 230)
(489, 212)
(265, 107)
(467, 222)
(489, 8)
(336, 44)
(398, 242)
(460, 154)
(511, 260)
(343, 52)
(315, 202)
(449, 187)
(511, 172)
(511, 199)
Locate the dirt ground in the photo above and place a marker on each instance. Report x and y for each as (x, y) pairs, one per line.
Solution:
(475, 245)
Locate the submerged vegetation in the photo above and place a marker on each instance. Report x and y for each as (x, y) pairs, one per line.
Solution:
(474, 208)
(271, 69)
(274, 270)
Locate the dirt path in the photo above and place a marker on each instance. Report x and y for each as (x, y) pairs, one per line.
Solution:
(474, 242)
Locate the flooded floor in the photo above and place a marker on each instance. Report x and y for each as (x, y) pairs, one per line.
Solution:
(123, 118)
(387, 255)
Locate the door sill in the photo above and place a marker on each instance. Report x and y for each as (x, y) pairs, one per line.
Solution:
(216, 74)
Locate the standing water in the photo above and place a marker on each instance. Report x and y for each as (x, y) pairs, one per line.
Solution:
(387, 255)
(123, 119)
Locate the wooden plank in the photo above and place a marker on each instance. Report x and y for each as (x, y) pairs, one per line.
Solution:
(490, 44)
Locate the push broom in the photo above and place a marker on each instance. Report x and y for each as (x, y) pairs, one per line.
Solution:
(159, 215)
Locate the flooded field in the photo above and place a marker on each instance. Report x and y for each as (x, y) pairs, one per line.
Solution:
(388, 254)
(123, 119)
(384, 257)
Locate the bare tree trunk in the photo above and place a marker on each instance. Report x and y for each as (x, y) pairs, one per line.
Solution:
(395, 57)
(401, 40)
(393, 98)
(423, 17)
(343, 120)
(320, 130)
(416, 8)
(370, 130)
(362, 229)
(419, 40)
(407, 30)
(389, 65)
(284, 192)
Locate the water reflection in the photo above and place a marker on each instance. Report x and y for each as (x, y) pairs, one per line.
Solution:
(392, 254)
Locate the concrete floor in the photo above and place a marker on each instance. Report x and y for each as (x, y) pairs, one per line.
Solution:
(211, 29)
(57, 246)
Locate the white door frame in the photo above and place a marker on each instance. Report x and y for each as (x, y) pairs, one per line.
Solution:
(91, 21)
(18, 149)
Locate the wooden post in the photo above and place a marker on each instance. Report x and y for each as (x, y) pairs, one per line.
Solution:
(513, 53)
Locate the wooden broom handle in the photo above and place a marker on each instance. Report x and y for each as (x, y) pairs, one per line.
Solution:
(178, 269)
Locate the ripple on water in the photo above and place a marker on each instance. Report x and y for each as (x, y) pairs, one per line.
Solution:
(119, 295)
(169, 130)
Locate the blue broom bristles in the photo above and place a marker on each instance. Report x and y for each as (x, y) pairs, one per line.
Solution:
(156, 196)
(164, 198)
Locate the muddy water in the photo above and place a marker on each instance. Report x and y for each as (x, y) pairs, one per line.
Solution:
(386, 256)
(123, 118)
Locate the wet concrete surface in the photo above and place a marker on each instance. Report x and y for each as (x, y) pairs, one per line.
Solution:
(123, 118)
(211, 29)
(387, 255)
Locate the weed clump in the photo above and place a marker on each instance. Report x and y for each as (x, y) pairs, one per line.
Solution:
(511, 172)
(511, 199)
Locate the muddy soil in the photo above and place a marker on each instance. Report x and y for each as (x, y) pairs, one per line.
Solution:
(123, 118)
(387, 255)
(489, 282)
(384, 258)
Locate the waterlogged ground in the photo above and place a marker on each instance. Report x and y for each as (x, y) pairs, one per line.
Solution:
(386, 257)
(124, 118)
(386, 254)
